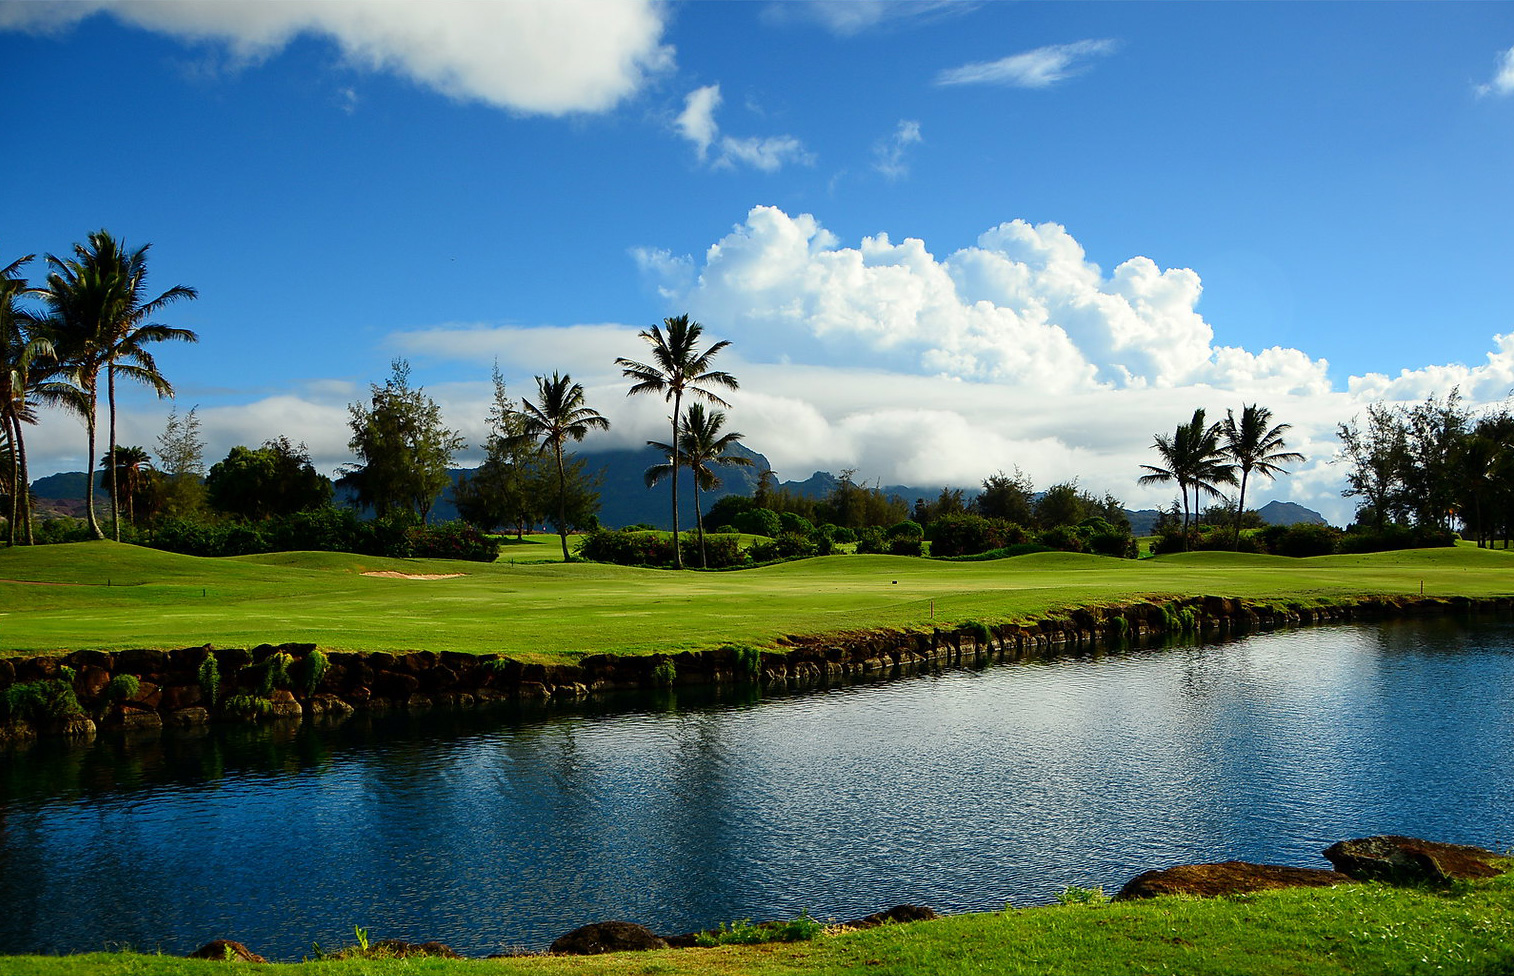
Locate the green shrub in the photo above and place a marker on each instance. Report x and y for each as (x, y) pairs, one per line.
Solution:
(664, 673)
(1301, 540)
(800, 929)
(905, 546)
(312, 669)
(209, 676)
(248, 706)
(627, 547)
(1105, 539)
(39, 701)
(978, 631)
(906, 530)
(1066, 538)
(272, 673)
(968, 535)
(843, 534)
(452, 540)
(60, 530)
(1073, 895)
(788, 545)
(748, 659)
(1357, 539)
(794, 522)
(759, 521)
(122, 687)
(722, 550)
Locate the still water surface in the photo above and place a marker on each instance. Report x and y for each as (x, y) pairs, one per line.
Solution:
(962, 791)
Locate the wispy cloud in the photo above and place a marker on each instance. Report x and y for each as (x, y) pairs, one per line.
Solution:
(1041, 68)
(888, 153)
(848, 18)
(697, 124)
(1503, 78)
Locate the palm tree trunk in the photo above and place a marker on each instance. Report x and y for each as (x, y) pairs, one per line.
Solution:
(1183, 490)
(26, 483)
(89, 478)
(677, 552)
(1240, 506)
(704, 557)
(15, 480)
(115, 492)
(562, 503)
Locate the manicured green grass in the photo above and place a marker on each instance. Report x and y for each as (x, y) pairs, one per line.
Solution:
(114, 596)
(1369, 929)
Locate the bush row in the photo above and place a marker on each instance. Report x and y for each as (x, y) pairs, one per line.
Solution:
(324, 530)
(641, 547)
(1304, 540)
(969, 535)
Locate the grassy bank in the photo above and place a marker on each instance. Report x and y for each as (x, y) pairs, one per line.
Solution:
(110, 596)
(1349, 929)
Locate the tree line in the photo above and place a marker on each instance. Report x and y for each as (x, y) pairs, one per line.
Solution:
(1432, 465)
(1420, 466)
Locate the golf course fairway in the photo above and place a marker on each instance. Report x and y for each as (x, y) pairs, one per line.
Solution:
(109, 596)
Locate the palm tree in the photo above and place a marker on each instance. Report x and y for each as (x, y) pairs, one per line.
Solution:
(98, 314)
(20, 348)
(700, 445)
(677, 369)
(1254, 446)
(1194, 460)
(130, 463)
(561, 415)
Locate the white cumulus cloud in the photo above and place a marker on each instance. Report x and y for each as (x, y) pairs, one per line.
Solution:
(1041, 68)
(1503, 76)
(548, 57)
(1023, 305)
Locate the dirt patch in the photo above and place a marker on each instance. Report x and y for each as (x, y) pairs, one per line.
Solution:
(391, 574)
(42, 583)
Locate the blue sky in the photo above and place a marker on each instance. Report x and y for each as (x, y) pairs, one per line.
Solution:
(944, 239)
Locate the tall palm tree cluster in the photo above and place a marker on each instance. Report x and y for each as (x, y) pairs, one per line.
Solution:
(93, 322)
(677, 369)
(1202, 458)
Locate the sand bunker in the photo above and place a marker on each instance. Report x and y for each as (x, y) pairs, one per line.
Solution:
(391, 574)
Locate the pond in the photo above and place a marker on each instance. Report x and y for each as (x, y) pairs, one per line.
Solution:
(962, 791)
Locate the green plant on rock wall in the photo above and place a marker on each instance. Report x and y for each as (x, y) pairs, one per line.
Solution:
(122, 687)
(272, 673)
(39, 701)
(312, 669)
(248, 706)
(664, 673)
(209, 676)
(748, 660)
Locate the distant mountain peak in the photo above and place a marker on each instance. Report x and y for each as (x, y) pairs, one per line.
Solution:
(1289, 513)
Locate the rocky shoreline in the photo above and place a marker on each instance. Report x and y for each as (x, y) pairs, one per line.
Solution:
(86, 691)
(1388, 859)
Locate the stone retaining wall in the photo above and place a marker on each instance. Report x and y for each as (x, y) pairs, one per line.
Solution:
(170, 689)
